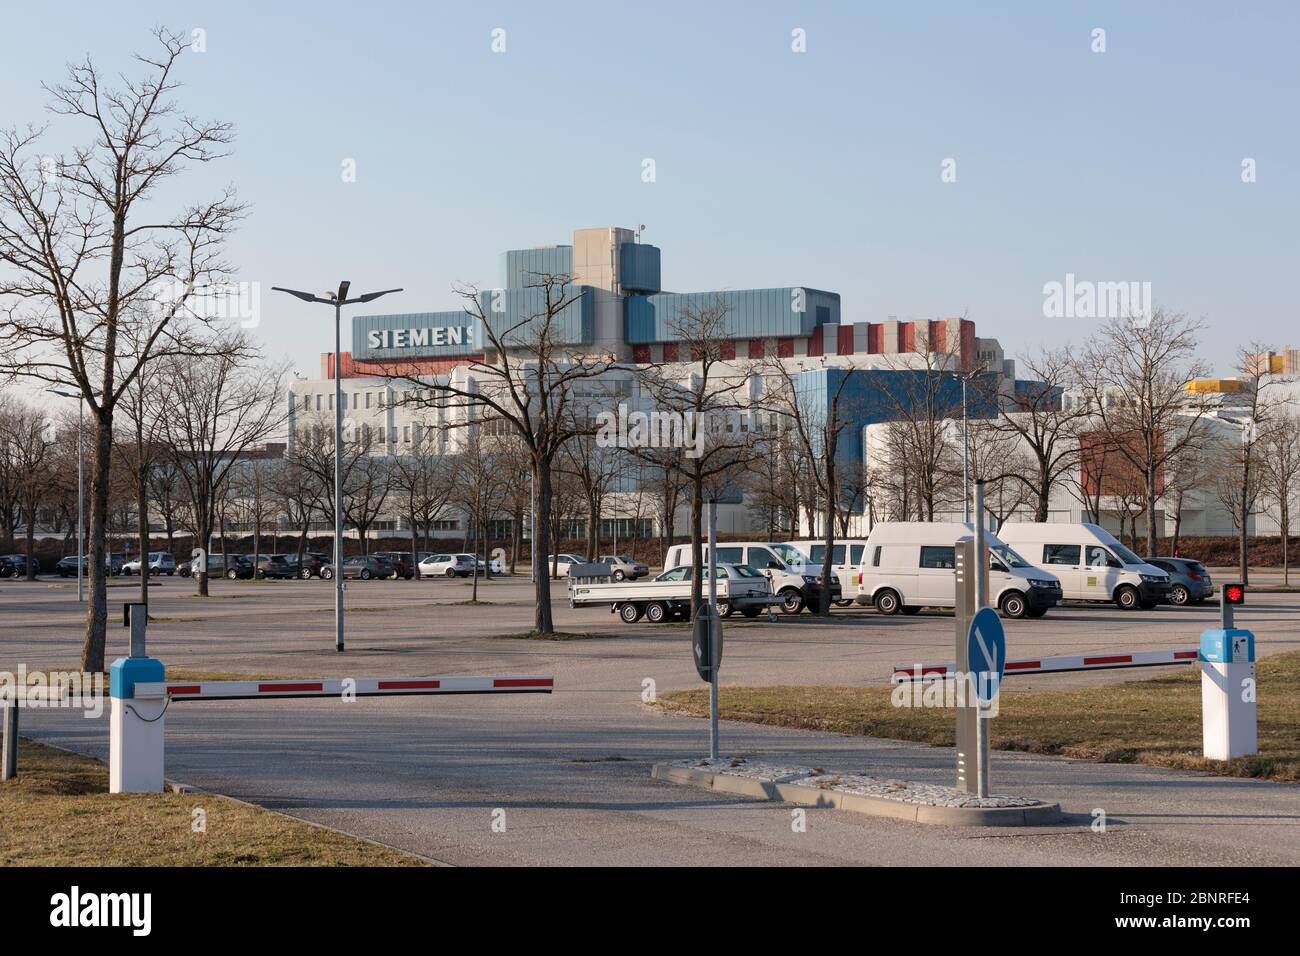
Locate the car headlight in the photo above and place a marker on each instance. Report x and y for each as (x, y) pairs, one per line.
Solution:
(1042, 583)
(1155, 578)
(810, 579)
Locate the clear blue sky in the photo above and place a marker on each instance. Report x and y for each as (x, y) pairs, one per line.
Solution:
(773, 168)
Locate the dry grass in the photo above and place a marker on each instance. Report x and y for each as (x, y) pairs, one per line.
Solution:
(58, 812)
(1156, 722)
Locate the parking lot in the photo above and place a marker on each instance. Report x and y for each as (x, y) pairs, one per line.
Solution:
(572, 769)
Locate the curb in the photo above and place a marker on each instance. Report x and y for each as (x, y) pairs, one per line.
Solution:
(806, 796)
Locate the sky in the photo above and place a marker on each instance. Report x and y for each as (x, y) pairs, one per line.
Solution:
(823, 168)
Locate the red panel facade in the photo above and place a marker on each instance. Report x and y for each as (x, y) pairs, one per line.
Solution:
(756, 350)
(875, 338)
(844, 345)
(641, 354)
(785, 348)
(727, 349)
(817, 341)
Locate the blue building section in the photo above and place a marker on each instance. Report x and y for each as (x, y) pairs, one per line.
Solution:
(521, 267)
(516, 314)
(638, 268)
(792, 312)
(875, 395)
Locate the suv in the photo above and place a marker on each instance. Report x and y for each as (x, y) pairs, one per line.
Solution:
(1189, 581)
(313, 563)
(401, 560)
(276, 566)
(622, 567)
(160, 562)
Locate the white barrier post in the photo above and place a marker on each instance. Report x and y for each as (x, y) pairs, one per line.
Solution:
(135, 747)
(1227, 657)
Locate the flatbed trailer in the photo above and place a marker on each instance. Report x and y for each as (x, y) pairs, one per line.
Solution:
(661, 600)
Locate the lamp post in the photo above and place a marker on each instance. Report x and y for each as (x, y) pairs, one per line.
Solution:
(337, 300)
(81, 493)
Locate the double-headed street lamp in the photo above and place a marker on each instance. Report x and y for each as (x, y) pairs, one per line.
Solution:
(337, 300)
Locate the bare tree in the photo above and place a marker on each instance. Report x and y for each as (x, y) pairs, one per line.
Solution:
(423, 482)
(923, 397)
(218, 407)
(1135, 376)
(1279, 466)
(527, 380)
(86, 248)
(27, 440)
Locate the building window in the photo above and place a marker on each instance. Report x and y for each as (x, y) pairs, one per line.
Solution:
(368, 399)
(406, 434)
(381, 433)
(306, 403)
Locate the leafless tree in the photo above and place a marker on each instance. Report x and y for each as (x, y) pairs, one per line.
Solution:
(27, 440)
(1135, 377)
(423, 483)
(921, 401)
(1279, 467)
(219, 407)
(86, 250)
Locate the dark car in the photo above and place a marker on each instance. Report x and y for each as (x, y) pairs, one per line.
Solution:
(367, 567)
(401, 560)
(1189, 581)
(241, 566)
(15, 565)
(277, 566)
(313, 563)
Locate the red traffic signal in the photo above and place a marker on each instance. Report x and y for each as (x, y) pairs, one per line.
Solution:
(1234, 594)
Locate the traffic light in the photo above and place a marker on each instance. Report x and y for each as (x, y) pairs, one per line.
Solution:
(1234, 594)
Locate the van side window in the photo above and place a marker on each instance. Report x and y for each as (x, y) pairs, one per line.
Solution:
(837, 555)
(1067, 554)
(1098, 557)
(875, 557)
(938, 557)
(816, 552)
(760, 558)
(855, 553)
(729, 556)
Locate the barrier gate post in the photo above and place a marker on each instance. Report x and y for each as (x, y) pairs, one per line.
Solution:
(1227, 658)
(135, 750)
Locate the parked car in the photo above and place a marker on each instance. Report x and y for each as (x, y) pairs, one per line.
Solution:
(1091, 563)
(160, 562)
(277, 566)
(1189, 581)
(908, 565)
(363, 566)
(67, 567)
(15, 565)
(401, 561)
(241, 566)
(740, 588)
(796, 589)
(622, 567)
(313, 562)
(559, 564)
(447, 565)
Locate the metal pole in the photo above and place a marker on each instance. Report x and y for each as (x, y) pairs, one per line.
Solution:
(715, 632)
(9, 759)
(965, 456)
(338, 480)
(81, 505)
(981, 600)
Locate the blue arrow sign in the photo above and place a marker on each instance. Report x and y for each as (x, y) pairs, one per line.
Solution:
(986, 651)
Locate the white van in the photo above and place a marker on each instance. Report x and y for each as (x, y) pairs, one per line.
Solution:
(908, 565)
(846, 555)
(796, 588)
(1091, 563)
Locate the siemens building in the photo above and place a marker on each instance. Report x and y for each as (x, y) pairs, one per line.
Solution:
(617, 311)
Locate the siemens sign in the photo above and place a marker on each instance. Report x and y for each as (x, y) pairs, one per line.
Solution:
(419, 338)
(415, 335)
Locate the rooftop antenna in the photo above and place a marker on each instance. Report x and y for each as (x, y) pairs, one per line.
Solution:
(639, 230)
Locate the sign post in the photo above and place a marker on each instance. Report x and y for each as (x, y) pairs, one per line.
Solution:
(971, 582)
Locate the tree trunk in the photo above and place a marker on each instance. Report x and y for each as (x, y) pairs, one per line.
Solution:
(1243, 554)
(142, 519)
(542, 622)
(92, 650)
(204, 531)
(31, 540)
(1151, 513)
(697, 547)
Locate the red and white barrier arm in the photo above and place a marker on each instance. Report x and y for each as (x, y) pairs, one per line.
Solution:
(1053, 665)
(178, 691)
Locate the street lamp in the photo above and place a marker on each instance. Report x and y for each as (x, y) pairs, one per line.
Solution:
(337, 300)
(81, 494)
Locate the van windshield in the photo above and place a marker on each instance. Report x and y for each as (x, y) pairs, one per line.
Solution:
(1124, 554)
(1009, 557)
(790, 554)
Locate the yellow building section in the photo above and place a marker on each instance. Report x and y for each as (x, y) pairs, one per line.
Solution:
(1214, 386)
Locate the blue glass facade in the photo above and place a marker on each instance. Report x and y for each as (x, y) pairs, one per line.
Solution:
(793, 311)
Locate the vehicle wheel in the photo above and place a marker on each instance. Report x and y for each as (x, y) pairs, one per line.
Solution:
(170, 573)
(1127, 597)
(911, 609)
(791, 601)
(629, 613)
(619, 575)
(451, 573)
(887, 602)
(365, 574)
(725, 609)
(305, 574)
(1179, 595)
(327, 574)
(848, 603)
(656, 612)
(1036, 612)
(260, 575)
(232, 574)
(1014, 605)
(752, 611)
